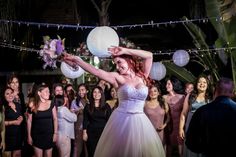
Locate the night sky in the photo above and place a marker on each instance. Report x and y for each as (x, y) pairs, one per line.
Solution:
(121, 12)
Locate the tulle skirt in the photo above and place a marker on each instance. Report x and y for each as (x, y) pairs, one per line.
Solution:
(129, 135)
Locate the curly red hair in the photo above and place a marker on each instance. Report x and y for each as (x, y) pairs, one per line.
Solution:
(136, 64)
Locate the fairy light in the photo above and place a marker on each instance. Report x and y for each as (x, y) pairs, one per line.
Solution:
(194, 51)
(130, 26)
(15, 47)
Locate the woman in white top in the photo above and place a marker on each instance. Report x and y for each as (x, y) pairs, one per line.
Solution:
(66, 132)
(77, 106)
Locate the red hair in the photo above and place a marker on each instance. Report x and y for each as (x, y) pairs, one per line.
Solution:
(136, 64)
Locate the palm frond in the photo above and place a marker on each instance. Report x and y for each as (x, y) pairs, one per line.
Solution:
(225, 26)
(204, 57)
(180, 72)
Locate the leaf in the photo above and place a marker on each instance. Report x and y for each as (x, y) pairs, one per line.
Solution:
(205, 57)
(63, 41)
(46, 38)
(58, 37)
(180, 72)
(213, 9)
(196, 33)
(233, 64)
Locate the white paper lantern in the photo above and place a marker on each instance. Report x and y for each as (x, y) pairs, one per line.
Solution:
(181, 58)
(71, 72)
(158, 71)
(100, 39)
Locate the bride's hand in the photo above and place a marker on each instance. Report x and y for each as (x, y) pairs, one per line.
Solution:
(117, 50)
(67, 56)
(69, 59)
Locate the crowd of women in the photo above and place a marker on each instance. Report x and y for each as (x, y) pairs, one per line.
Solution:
(125, 115)
(53, 117)
(59, 120)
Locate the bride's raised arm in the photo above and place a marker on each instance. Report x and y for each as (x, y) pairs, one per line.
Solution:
(102, 74)
(145, 55)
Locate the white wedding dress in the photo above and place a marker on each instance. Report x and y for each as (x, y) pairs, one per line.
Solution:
(129, 132)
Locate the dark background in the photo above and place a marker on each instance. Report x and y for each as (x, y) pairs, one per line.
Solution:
(121, 12)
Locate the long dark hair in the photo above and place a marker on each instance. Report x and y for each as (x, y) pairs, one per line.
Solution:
(92, 101)
(20, 94)
(177, 84)
(58, 100)
(4, 101)
(117, 100)
(78, 98)
(194, 94)
(10, 79)
(160, 99)
(37, 98)
(57, 85)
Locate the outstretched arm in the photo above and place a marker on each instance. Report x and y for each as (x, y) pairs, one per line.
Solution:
(145, 55)
(75, 61)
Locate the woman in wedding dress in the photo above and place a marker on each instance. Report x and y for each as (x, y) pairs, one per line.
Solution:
(128, 132)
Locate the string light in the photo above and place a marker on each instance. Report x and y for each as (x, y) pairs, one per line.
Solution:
(130, 26)
(78, 26)
(155, 53)
(15, 47)
(47, 25)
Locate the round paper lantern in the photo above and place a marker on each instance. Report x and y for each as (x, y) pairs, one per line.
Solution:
(71, 72)
(100, 39)
(158, 71)
(181, 58)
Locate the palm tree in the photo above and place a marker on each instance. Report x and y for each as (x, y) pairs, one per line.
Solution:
(225, 25)
(221, 14)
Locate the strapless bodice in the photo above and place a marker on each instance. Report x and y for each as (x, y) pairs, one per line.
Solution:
(131, 99)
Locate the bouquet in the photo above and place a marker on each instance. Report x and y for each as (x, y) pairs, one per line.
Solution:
(51, 51)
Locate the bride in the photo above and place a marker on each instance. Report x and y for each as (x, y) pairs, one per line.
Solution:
(128, 132)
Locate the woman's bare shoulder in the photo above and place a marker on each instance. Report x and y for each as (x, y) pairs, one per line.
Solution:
(119, 79)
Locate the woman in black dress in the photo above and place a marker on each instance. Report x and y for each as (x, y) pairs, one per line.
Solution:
(13, 82)
(96, 115)
(42, 123)
(13, 122)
